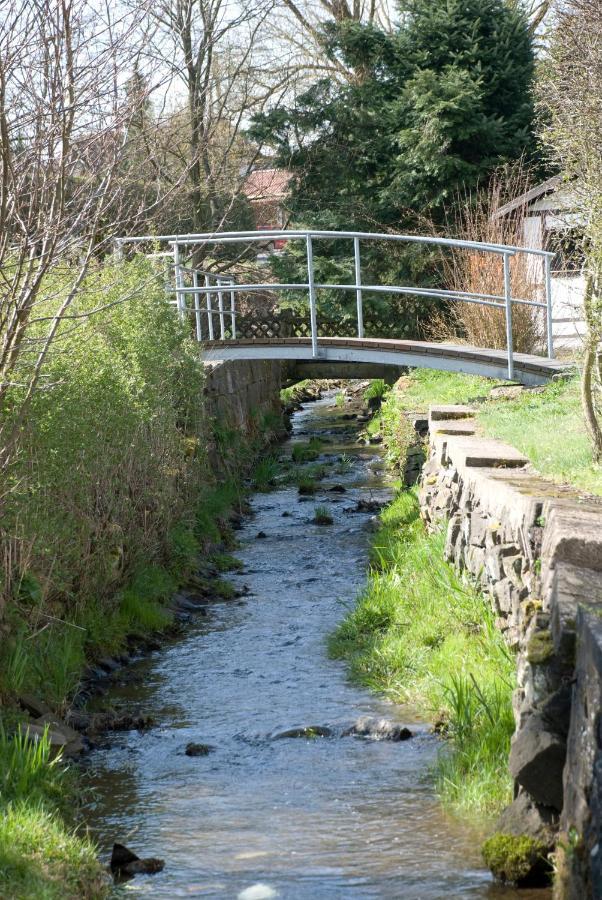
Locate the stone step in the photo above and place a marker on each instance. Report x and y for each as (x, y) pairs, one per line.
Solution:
(447, 412)
(487, 453)
(454, 426)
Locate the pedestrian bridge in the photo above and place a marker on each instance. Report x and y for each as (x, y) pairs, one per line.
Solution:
(235, 315)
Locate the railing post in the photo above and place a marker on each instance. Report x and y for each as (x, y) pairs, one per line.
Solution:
(220, 306)
(312, 297)
(358, 287)
(549, 320)
(233, 314)
(209, 308)
(180, 295)
(197, 306)
(508, 299)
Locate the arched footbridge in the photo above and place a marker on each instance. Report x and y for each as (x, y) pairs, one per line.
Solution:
(236, 315)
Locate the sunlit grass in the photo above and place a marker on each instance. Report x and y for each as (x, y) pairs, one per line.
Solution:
(41, 856)
(425, 637)
(549, 428)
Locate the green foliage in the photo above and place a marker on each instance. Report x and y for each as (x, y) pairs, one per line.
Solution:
(306, 452)
(322, 516)
(398, 433)
(106, 465)
(424, 636)
(225, 562)
(376, 390)
(295, 391)
(425, 387)
(514, 858)
(40, 855)
(41, 859)
(434, 107)
(264, 472)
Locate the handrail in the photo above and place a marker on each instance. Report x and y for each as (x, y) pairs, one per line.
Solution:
(224, 283)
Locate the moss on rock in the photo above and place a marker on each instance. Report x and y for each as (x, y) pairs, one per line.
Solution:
(517, 859)
(540, 647)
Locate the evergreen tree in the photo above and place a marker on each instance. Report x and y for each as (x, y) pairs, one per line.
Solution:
(434, 108)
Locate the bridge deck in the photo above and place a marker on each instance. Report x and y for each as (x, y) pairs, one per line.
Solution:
(528, 369)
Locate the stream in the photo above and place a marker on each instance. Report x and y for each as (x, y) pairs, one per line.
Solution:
(298, 818)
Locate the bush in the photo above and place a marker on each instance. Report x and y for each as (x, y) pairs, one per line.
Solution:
(483, 273)
(110, 461)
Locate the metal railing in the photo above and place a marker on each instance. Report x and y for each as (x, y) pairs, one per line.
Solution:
(195, 283)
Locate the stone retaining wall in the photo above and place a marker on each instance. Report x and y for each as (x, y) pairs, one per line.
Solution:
(238, 394)
(535, 549)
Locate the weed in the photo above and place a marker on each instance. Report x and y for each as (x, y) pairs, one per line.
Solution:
(40, 856)
(376, 390)
(344, 464)
(307, 486)
(306, 452)
(322, 516)
(264, 473)
(225, 562)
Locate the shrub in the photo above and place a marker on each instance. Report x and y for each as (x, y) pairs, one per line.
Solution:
(482, 273)
(111, 461)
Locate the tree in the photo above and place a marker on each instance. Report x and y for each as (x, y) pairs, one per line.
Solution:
(202, 53)
(571, 97)
(439, 105)
(435, 107)
(63, 124)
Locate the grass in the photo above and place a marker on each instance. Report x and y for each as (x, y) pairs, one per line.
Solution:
(308, 451)
(289, 394)
(548, 427)
(532, 423)
(42, 857)
(376, 390)
(423, 387)
(264, 473)
(423, 636)
(322, 516)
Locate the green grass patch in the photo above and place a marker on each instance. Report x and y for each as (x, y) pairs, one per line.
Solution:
(425, 637)
(376, 390)
(308, 451)
(264, 473)
(548, 427)
(292, 393)
(225, 562)
(42, 857)
(424, 387)
(532, 423)
(322, 516)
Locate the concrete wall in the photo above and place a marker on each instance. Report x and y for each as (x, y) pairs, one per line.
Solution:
(536, 550)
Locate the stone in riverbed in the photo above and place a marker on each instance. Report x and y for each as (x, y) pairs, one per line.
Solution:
(306, 731)
(124, 863)
(193, 749)
(379, 730)
(523, 816)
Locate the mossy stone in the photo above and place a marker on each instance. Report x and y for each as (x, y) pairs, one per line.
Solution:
(518, 859)
(540, 647)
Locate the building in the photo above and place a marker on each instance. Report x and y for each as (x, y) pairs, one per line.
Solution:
(552, 221)
(267, 190)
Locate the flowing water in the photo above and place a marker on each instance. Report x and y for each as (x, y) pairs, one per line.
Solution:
(332, 817)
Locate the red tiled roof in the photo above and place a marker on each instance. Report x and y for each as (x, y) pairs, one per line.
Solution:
(267, 184)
